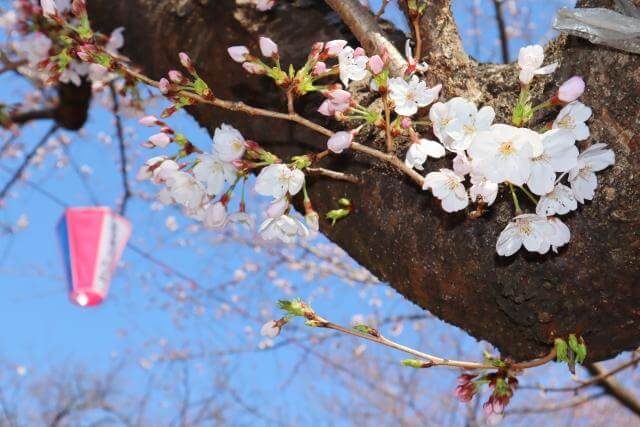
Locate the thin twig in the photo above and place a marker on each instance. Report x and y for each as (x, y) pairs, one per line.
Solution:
(340, 176)
(417, 55)
(433, 360)
(383, 7)
(387, 124)
(18, 173)
(555, 407)
(292, 117)
(122, 149)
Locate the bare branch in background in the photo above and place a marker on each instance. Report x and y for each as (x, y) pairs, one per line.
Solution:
(18, 173)
(502, 31)
(123, 153)
(614, 389)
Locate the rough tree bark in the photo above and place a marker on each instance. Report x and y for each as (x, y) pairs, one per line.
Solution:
(441, 262)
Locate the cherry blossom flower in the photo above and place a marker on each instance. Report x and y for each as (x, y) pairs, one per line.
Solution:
(482, 188)
(277, 207)
(264, 5)
(560, 236)
(571, 90)
(462, 164)
(413, 66)
(504, 154)
(418, 153)
(582, 178)
(532, 231)
(560, 155)
(284, 228)
(448, 187)
(186, 190)
(214, 173)
(340, 141)
(468, 123)
(376, 64)
(277, 180)
(271, 329)
(34, 48)
(159, 140)
(158, 169)
(74, 73)
(243, 218)
(9, 20)
(352, 66)
(238, 53)
(559, 201)
(441, 114)
(313, 221)
(409, 95)
(116, 41)
(337, 101)
(333, 48)
(49, 7)
(149, 121)
(530, 61)
(268, 47)
(215, 216)
(228, 143)
(573, 117)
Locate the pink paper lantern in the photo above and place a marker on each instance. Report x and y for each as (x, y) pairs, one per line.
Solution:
(92, 240)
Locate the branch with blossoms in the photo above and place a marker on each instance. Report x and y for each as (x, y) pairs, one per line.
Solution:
(497, 373)
(527, 162)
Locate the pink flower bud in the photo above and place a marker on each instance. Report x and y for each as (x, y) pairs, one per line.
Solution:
(326, 108)
(186, 62)
(571, 90)
(160, 140)
(339, 96)
(359, 52)
(164, 85)
(253, 68)
(149, 121)
(320, 68)
(405, 123)
(376, 65)
(238, 53)
(176, 76)
(334, 47)
(340, 141)
(268, 47)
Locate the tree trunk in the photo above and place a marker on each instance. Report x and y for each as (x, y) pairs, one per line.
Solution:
(442, 262)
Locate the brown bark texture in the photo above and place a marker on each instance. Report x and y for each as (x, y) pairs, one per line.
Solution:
(442, 262)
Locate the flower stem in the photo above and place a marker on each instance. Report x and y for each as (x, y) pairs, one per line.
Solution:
(529, 195)
(516, 202)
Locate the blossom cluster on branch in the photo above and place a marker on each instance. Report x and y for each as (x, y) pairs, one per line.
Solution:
(542, 164)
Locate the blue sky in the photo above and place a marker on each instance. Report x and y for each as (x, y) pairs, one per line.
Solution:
(140, 320)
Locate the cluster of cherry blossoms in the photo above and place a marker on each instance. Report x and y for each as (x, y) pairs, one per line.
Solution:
(485, 154)
(533, 162)
(543, 164)
(204, 187)
(40, 43)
